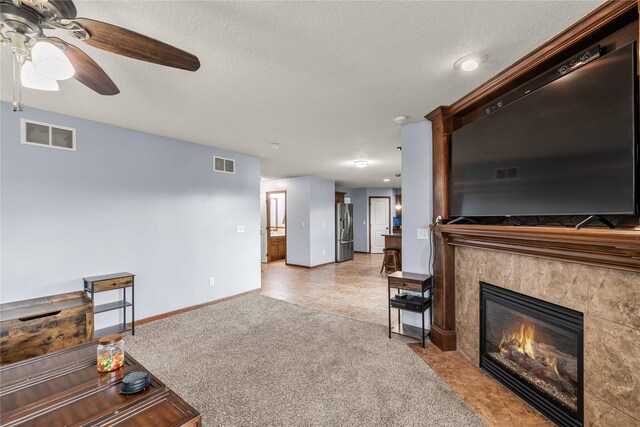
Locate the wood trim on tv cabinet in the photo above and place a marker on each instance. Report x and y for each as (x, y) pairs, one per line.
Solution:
(614, 249)
(519, 72)
(193, 307)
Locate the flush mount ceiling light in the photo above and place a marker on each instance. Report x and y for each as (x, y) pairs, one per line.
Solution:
(469, 62)
(275, 145)
(400, 120)
(32, 79)
(386, 180)
(361, 163)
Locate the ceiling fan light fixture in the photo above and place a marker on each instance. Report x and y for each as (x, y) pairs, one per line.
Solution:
(51, 62)
(32, 79)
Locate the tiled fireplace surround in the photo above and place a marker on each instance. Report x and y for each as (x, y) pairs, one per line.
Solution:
(609, 299)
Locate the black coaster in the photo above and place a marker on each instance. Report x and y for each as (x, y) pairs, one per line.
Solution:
(135, 382)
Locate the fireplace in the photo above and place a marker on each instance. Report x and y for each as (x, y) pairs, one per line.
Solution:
(535, 348)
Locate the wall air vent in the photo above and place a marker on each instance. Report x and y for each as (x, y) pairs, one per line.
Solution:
(220, 164)
(48, 135)
(507, 173)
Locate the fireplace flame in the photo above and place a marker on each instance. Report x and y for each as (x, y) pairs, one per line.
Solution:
(523, 342)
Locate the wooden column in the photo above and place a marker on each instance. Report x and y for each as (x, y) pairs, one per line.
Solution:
(443, 330)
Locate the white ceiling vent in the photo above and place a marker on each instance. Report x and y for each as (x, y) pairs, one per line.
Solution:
(48, 135)
(220, 164)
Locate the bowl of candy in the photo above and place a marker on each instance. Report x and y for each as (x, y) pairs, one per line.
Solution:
(110, 353)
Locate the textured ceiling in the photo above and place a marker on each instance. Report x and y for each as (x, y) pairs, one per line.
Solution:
(323, 79)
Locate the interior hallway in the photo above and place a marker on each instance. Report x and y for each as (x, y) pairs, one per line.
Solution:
(354, 289)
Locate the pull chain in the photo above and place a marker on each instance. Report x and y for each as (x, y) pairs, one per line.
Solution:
(17, 83)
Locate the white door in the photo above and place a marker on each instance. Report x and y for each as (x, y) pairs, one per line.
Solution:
(379, 222)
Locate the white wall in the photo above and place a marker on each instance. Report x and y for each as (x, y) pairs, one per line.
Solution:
(322, 221)
(360, 219)
(417, 199)
(124, 201)
(310, 204)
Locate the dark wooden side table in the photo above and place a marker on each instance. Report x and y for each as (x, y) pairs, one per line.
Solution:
(65, 389)
(113, 282)
(413, 282)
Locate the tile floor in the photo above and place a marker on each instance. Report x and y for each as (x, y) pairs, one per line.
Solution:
(356, 289)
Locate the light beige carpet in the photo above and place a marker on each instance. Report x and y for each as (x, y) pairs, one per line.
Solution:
(260, 361)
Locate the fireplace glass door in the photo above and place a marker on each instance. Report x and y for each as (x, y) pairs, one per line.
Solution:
(535, 348)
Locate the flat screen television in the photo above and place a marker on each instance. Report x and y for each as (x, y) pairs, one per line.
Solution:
(567, 148)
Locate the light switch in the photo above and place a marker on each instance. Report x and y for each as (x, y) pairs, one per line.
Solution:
(323, 226)
(240, 229)
(423, 234)
(303, 224)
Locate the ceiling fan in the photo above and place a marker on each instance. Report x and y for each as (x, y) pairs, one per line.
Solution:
(39, 61)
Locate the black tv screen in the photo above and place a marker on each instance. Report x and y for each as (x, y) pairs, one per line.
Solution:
(567, 148)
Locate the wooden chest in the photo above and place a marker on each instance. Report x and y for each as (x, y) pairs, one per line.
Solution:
(41, 325)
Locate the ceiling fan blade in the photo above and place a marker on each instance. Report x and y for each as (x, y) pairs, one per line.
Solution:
(66, 8)
(88, 72)
(128, 43)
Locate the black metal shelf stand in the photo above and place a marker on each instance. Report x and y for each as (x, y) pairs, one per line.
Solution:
(112, 282)
(414, 282)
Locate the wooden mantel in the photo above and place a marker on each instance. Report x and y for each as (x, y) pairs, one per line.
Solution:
(612, 25)
(616, 249)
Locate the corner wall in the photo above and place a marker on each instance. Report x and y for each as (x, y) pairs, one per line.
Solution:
(417, 201)
(310, 218)
(125, 201)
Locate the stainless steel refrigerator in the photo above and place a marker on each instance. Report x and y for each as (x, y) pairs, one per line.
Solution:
(344, 232)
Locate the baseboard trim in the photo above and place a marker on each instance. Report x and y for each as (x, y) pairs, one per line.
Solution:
(444, 340)
(361, 252)
(192, 307)
(307, 266)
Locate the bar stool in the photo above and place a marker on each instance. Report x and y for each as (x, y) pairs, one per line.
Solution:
(390, 259)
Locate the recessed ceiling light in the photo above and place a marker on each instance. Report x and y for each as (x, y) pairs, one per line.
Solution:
(275, 145)
(386, 180)
(469, 62)
(469, 65)
(400, 120)
(361, 163)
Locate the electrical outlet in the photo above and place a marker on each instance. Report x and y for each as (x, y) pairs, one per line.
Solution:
(240, 229)
(323, 227)
(212, 281)
(324, 252)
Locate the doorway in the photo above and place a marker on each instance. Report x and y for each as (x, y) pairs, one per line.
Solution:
(276, 225)
(379, 222)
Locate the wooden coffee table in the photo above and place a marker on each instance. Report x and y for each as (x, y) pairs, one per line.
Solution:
(65, 389)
